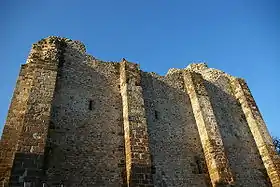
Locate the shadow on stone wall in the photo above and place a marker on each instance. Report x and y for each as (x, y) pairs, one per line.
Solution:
(137, 172)
(175, 145)
(241, 150)
(27, 167)
(86, 142)
(85, 145)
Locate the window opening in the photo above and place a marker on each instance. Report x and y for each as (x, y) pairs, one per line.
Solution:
(90, 106)
(156, 114)
(198, 166)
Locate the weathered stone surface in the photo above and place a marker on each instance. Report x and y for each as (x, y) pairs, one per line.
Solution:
(258, 129)
(210, 136)
(77, 121)
(240, 146)
(86, 143)
(178, 159)
(137, 153)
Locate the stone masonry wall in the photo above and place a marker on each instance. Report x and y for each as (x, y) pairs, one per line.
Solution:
(212, 143)
(36, 87)
(13, 126)
(259, 131)
(240, 147)
(138, 158)
(86, 143)
(78, 121)
(175, 145)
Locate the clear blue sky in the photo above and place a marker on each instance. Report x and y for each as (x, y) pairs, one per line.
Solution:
(241, 37)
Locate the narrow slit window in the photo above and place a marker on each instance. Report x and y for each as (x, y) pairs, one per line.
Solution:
(156, 114)
(90, 105)
(198, 164)
(153, 168)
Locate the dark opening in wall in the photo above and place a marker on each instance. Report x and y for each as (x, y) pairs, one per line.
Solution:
(51, 125)
(198, 165)
(156, 114)
(137, 83)
(153, 168)
(90, 105)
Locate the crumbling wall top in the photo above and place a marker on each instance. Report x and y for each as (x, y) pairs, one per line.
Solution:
(197, 66)
(47, 49)
(50, 48)
(56, 39)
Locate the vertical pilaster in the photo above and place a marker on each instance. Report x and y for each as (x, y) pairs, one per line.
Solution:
(29, 116)
(138, 161)
(259, 130)
(14, 122)
(212, 144)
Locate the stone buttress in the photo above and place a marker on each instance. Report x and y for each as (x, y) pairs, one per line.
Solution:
(137, 154)
(210, 136)
(259, 130)
(78, 121)
(24, 137)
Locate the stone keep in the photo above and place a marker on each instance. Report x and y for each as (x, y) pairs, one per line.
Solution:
(76, 121)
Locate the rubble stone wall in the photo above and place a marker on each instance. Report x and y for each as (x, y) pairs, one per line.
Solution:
(138, 158)
(175, 145)
(14, 123)
(86, 130)
(240, 146)
(75, 120)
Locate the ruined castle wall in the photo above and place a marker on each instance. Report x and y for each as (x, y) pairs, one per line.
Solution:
(30, 114)
(259, 131)
(86, 131)
(138, 158)
(175, 145)
(243, 155)
(14, 123)
(78, 121)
